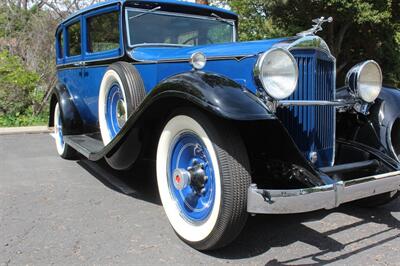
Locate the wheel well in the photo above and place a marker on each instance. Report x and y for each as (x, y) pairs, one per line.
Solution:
(266, 141)
(53, 101)
(154, 119)
(395, 137)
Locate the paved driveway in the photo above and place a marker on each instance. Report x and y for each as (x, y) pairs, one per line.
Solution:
(66, 213)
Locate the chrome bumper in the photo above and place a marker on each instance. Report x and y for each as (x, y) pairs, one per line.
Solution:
(323, 197)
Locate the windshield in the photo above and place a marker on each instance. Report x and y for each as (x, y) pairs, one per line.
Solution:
(147, 27)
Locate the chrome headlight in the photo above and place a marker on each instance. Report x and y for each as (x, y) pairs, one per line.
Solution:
(276, 71)
(365, 80)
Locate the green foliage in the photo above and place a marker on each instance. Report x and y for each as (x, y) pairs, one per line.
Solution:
(27, 119)
(361, 29)
(19, 92)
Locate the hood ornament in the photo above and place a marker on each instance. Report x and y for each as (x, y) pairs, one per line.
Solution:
(316, 27)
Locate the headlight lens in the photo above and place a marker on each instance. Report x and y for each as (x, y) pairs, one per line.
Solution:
(198, 60)
(365, 80)
(276, 71)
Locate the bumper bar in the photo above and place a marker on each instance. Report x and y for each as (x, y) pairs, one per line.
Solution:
(322, 197)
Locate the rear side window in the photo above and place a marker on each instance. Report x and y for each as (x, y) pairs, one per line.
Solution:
(60, 44)
(103, 32)
(74, 39)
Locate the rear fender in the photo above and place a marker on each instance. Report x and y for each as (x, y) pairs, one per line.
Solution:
(71, 120)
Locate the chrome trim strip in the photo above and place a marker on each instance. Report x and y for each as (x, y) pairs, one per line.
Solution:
(287, 103)
(321, 197)
(238, 58)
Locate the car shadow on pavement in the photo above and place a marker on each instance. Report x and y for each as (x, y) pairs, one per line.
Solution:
(138, 182)
(264, 232)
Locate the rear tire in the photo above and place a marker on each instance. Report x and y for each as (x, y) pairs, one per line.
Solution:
(63, 149)
(213, 218)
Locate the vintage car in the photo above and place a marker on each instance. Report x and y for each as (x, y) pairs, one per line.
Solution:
(234, 128)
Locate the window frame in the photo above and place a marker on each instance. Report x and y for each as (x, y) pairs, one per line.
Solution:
(60, 53)
(69, 58)
(108, 54)
(128, 39)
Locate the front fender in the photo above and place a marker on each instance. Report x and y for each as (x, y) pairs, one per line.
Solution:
(384, 113)
(216, 93)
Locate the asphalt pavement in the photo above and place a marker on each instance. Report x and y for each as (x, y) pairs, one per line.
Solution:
(54, 211)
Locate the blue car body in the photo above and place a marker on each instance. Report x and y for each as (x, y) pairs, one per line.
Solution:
(81, 74)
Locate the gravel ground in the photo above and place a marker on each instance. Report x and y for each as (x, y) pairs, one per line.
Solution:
(61, 212)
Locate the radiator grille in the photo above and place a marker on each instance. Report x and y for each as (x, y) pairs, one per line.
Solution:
(313, 127)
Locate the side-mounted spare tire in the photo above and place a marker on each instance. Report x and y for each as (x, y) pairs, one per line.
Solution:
(121, 92)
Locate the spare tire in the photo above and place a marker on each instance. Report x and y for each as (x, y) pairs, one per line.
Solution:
(121, 93)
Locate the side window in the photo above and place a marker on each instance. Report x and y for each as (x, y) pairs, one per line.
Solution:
(74, 39)
(103, 32)
(60, 44)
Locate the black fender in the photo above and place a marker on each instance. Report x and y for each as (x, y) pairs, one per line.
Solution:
(383, 114)
(374, 129)
(218, 94)
(71, 119)
(213, 93)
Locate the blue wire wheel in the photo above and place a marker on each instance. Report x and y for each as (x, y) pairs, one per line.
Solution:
(115, 110)
(196, 200)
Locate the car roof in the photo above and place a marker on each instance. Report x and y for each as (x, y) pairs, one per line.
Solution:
(172, 2)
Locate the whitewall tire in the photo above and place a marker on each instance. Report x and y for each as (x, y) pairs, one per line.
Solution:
(63, 149)
(203, 213)
(58, 135)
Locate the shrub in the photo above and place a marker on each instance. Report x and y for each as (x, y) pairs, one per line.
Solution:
(19, 89)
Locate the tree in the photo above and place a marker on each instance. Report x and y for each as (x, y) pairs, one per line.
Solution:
(27, 29)
(361, 29)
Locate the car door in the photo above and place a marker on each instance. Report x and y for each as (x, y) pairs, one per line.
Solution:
(71, 73)
(102, 44)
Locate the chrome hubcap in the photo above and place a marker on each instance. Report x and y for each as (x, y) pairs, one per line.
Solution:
(195, 176)
(121, 113)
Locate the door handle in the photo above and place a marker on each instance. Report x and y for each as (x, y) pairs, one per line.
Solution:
(81, 63)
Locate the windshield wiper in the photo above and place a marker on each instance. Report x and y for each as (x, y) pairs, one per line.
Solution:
(230, 22)
(147, 12)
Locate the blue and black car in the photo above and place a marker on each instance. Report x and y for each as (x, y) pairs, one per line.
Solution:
(235, 128)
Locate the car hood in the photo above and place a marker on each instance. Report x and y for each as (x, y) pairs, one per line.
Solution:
(228, 50)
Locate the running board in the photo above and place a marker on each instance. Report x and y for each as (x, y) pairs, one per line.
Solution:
(85, 144)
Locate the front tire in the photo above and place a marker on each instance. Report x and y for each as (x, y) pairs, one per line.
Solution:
(209, 210)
